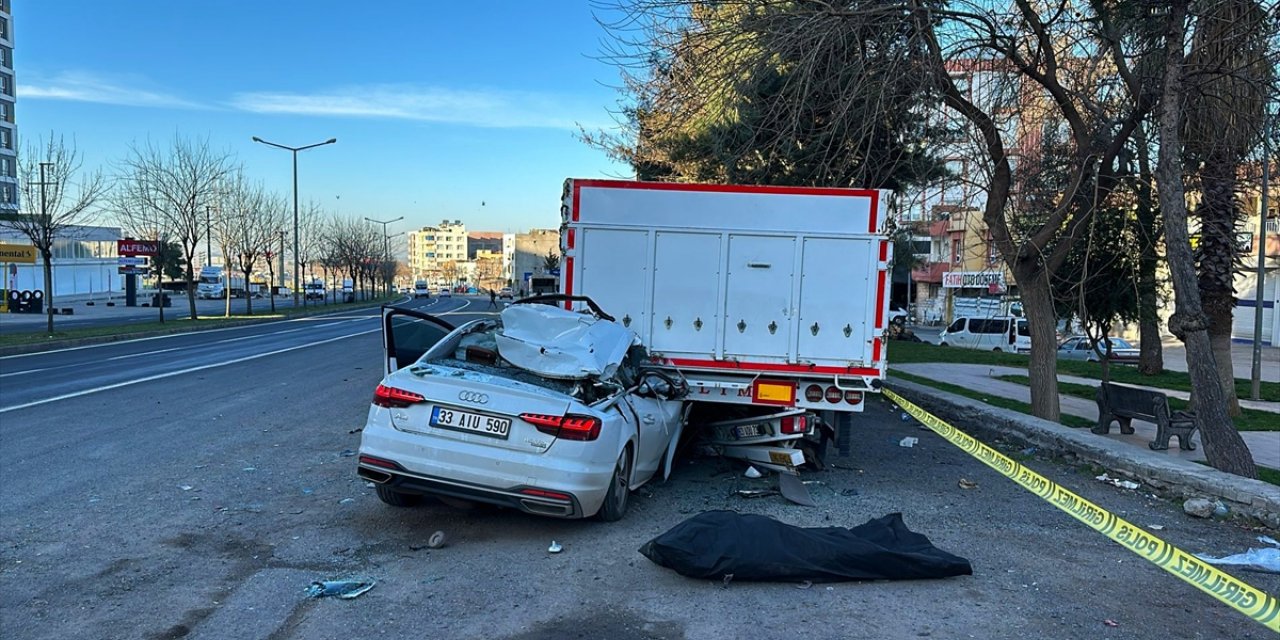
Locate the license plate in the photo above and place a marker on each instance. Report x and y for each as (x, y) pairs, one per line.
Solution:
(746, 431)
(470, 422)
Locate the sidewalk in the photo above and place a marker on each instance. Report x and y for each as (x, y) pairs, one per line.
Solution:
(1265, 445)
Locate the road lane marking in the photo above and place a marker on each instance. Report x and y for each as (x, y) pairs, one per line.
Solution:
(160, 376)
(1222, 586)
(144, 353)
(23, 373)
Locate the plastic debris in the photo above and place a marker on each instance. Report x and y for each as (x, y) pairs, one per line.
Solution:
(1156, 527)
(186, 487)
(728, 577)
(555, 547)
(794, 490)
(347, 453)
(1029, 451)
(1110, 623)
(345, 589)
(756, 493)
(1117, 482)
(908, 442)
(968, 484)
(346, 500)
(753, 473)
(805, 585)
(1264, 560)
(437, 540)
(906, 417)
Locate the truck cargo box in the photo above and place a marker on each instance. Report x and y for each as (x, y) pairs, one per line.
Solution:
(763, 295)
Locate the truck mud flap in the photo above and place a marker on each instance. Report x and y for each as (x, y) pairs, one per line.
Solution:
(794, 489)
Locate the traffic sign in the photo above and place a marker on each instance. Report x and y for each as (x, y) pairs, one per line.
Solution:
(132, 271)
(14, 253)
(132, 261)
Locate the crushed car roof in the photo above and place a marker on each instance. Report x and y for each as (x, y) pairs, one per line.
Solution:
(557, 343)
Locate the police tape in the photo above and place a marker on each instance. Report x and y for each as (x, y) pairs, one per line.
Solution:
(1225, 588)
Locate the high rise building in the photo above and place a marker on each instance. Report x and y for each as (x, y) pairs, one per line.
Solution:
(8, 130)
(435, 253)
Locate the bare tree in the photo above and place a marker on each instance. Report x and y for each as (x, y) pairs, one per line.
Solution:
(57, 198)
(311, 240)
(247, 222)
(178, 181)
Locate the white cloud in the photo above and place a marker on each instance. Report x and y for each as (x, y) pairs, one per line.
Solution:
(80, 86)
(429, 104)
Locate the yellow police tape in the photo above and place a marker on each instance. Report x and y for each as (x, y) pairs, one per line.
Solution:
(1227, 589)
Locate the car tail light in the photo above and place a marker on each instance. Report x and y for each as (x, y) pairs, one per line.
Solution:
(834, 394)
(570, 427)
(392, 397)
(853, 397)
(794, 424)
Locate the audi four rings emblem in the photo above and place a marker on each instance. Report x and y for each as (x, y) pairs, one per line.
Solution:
(473, 396)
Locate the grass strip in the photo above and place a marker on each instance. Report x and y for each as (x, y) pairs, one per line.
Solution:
(1249, 419)
(1003, 403)
(902, 352)
(179, 325)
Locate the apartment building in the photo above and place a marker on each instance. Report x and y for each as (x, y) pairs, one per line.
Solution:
(436, 251)
(8, 130)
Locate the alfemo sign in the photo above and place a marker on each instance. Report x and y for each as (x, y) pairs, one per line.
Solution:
(972, 279)
(23, 253)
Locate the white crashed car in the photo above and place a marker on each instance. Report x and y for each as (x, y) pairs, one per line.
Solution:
(541, 409)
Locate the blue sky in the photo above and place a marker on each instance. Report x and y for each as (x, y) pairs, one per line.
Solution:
(437, 106)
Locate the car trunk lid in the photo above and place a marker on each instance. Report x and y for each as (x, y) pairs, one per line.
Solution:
(474, 407)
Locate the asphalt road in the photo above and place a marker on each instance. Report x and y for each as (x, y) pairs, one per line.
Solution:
(201, 502)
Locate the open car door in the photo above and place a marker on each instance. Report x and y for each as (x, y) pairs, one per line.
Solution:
(407, 334)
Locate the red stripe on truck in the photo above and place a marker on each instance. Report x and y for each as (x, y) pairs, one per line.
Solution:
(875, 352)
(764, 366)
(884, 250)
(880, 302)
(727, 188)
(568, 284)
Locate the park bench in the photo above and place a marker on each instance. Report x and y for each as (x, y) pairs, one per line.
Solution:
(1122, 404)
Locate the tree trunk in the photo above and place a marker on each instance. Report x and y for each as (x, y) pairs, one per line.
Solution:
(48, 283)
(191, 289)
(1223, 446)
(1150, 349)
(1037, 302)
(1219, 213)
(248, 296)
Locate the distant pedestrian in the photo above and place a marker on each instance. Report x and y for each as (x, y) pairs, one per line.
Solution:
(493, 299)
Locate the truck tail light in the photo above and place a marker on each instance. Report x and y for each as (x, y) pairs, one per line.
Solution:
(794, 424)
(813, 393)
(570, 427)
(853, 397)
(834, 394)
(392, 397)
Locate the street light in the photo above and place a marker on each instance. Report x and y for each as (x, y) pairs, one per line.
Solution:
(295, 151)
(386, 241)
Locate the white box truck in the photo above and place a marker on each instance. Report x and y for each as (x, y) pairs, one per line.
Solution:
(759, 295)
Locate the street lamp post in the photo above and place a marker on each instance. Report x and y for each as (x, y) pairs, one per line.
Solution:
(386, 242)
(295, 151)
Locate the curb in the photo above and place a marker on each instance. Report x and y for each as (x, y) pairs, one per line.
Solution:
(1182, 479)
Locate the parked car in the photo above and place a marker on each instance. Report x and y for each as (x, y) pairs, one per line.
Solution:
(446, 292)
(548, 411)
(506, 294)
(1001, 333)
(1081, 348)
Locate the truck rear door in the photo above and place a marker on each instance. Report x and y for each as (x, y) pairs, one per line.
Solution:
(758, 307)
(686, 293)
(836, 290)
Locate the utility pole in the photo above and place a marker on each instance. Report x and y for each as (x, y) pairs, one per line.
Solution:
(208, 235)
(386, 246)
(294, 151)
(1255, 387)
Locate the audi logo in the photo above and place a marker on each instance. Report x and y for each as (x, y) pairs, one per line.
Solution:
(473, 396)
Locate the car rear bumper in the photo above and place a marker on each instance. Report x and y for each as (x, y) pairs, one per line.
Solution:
(471, 471)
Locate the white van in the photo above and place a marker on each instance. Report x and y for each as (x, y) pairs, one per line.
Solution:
(1000, 333)
(421, 289)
